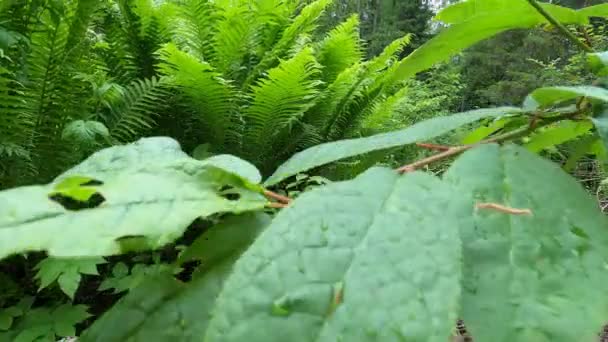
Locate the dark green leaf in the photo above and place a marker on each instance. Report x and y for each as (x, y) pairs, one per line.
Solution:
(559, 133)
(66, 272)
(534, 277)
(333, 151)
(475, 21)
(549, 96)
(163, 309)
(599, 62)
(372, 259)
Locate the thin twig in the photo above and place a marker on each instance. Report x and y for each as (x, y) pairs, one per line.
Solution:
(433, 146)
(503, 209)
(560, 26)
(436, 157)
(274, 195)
(454, 150)
(276, 205)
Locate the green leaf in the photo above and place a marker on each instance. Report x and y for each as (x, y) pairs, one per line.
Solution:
(595, 11)
(530, 277)
(44, 323)
(471, 9)
(147, 195)
(234, 233)
(66, 272)
(471, 26)
(601, 125)
(75, 187)
(549, 96)
(202, 151)
(235, 165)
(599, 62)
(85, 131)
(580, 148)
(121, 280)
(333, 151)
(375, 259)
(559, 133)
(484, 131)
(7, 316)
(164, 309)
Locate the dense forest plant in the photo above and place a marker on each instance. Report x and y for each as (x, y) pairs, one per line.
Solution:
(503, 240)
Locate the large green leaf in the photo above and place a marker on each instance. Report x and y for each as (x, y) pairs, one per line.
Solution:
(537, 277)
(601, 125)
(548, 96)
(559, 133)
(164, 309)
(599, 62)
(372, 259)
(142, 195)
(333, 151)
(595, 11)
(474, 21)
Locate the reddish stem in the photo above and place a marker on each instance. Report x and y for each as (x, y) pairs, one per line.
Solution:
(274, 195)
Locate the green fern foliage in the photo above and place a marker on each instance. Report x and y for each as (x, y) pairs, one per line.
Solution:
(210, 96)
(242, 77)
(134, 114)
(278, 104)
(340, 49)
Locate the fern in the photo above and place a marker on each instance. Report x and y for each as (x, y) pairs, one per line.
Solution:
(134, 114)
(303, 24)
(340, 49)
(233, 41)
(195, 27)
(279, 102)
(382, 111)
(210, 96)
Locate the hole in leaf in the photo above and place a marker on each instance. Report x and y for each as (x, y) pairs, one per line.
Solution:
(229, 193)
(92, 182)
(69, 203)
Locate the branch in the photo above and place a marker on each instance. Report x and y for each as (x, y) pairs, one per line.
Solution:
(276, 205)
(452, 151)
(503, 209)
(433, 146)
(559, 26)
(520, 132)
(426, 161)
(274, 195)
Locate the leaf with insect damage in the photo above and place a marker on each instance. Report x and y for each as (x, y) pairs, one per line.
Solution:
(138, 196)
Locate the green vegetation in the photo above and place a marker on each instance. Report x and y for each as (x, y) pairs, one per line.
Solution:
(284, 170)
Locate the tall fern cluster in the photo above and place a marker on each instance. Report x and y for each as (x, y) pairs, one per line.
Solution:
(260, 86)
(243, 77)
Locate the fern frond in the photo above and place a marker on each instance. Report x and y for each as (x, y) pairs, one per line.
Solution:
(234, 41)
(386, 64)
(135, 113)
(389, 55)
(380, 113)
(212, 97)
(195, 26)
(303, 24)
(141, 35)
(279, 102)
(335, 97)
(340, 49)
